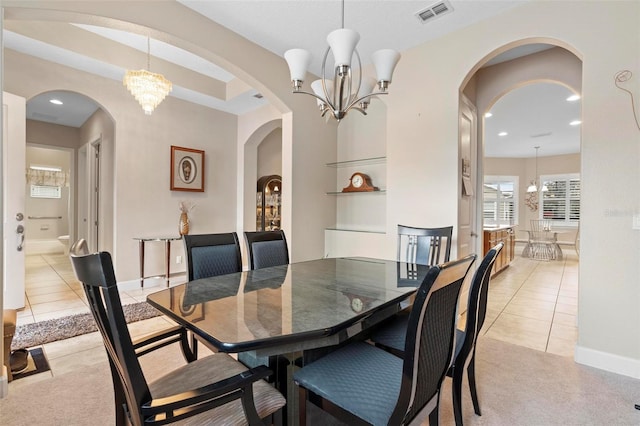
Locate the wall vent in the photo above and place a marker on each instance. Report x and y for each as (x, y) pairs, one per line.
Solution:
(434, 11)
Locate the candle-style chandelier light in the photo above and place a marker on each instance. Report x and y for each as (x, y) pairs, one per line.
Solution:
(344, 92)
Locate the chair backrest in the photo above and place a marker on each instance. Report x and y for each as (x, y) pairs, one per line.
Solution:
(426, 246)
(267, 248)
(95, 272)
(540, 225)
(477, 304)
(430, 337)
(209, 255)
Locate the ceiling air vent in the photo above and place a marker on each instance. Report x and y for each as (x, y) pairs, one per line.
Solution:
(434, 11)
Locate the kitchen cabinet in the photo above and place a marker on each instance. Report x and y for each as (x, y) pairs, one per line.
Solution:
(493, 236)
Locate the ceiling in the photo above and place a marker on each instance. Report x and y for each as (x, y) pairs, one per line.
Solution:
(307, 22)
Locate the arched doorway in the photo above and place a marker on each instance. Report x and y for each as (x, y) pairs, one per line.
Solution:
(506, 71)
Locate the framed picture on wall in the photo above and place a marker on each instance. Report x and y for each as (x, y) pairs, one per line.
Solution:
(187, 169)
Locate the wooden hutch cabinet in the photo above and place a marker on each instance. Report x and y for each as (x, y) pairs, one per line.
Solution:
(493, 236)
(268, 203)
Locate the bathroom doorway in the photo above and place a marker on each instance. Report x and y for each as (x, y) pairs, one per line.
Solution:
(49, 199)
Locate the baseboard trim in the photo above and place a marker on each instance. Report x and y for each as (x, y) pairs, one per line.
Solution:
(609, 362)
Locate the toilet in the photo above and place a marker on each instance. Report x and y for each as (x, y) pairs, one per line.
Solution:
(64, 240)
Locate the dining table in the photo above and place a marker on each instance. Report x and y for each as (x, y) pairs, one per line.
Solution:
(289, 315)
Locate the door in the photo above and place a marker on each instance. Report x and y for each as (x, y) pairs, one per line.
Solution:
(13, 154)
(467, 196)
(468, 241)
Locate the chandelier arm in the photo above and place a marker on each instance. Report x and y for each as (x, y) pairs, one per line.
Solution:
(357, 101)
(355, 94)
(310, 94)
(327, 98)
(358, 109)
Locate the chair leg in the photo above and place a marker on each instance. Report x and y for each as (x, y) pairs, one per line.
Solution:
(119, 398)
(456, 387)
(302, 406)
(471, 373)
(434, 415)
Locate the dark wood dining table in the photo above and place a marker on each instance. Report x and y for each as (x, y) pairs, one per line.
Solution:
(294, 312)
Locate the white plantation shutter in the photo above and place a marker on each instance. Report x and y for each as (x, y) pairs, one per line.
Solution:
(561, 203)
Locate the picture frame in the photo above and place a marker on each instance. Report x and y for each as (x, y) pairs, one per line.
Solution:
(187, 169)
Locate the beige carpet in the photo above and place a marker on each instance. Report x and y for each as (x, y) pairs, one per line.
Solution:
(517, 386)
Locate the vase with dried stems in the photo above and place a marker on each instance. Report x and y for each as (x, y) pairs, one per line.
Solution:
(185, 207)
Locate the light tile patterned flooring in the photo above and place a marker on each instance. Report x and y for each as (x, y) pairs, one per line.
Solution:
(531, 303)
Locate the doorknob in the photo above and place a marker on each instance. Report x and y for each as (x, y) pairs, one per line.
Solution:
(473, 234)
(19, 217)
(20, 232)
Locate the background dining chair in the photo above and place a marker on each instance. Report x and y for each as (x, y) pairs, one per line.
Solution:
(267, 248)
(209, 255)
(391, 336)
(362, 383)
(216, 389)
(542, 243)
(426, 246)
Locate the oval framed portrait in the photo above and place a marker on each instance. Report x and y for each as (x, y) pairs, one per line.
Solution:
(187, 169)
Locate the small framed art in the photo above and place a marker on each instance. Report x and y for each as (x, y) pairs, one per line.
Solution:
(187, 169)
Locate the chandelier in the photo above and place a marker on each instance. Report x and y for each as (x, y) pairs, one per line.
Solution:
(344, 92)
(533, 187)
(147, 87)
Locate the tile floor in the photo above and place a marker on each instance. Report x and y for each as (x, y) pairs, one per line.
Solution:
(531, 303)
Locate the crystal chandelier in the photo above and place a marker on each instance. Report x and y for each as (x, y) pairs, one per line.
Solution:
(533, 187)
(343, 92)
(148, 88)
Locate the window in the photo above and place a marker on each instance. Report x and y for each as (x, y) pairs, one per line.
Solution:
(45, 191)
(500, 200)
(561, 203)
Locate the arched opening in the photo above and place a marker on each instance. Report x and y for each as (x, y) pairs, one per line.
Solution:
(501, 84)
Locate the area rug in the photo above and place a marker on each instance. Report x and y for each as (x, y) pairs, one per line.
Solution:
(39, 333)
(36, 363)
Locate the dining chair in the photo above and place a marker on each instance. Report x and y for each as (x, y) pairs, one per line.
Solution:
(209, 255)
(426, 246)
(392, 336)
(542, 242)
(360, 383)
(267, 248)
(212, 390)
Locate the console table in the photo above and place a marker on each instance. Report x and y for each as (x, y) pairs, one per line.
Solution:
(167, 251)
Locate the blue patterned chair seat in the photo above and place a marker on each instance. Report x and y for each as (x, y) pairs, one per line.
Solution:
(366, 385)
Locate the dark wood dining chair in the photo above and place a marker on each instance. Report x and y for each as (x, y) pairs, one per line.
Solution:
(214, 390)
(425, 246)
(360, 383)
(391, 336)
(267, 248)
(210, 255)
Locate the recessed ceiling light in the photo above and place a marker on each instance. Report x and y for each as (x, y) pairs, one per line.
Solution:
(503, 134)
(573, 98)
(55, 101)
(575, 122)
(488, 114)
